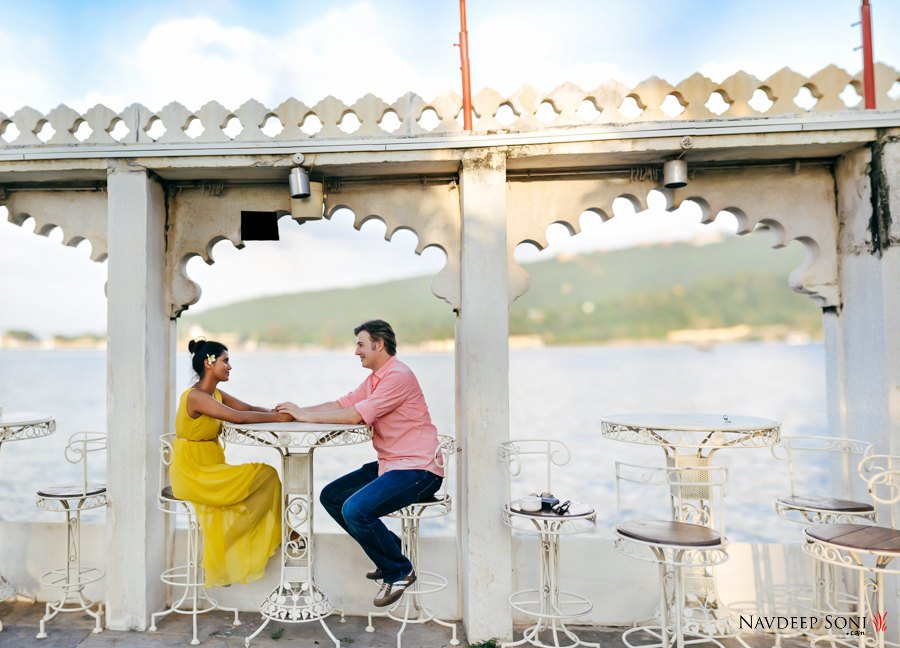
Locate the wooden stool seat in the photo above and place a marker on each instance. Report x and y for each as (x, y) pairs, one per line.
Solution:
(884, 540)
(826, 504)
(670, 533)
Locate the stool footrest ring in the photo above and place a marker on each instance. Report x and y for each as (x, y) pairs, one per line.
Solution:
(64, 579)
(566, 606)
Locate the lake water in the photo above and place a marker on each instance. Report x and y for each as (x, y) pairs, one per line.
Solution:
(558, 392)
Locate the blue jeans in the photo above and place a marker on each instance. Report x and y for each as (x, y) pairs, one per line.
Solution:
(357, 501)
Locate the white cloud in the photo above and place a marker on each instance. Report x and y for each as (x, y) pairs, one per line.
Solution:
(511, 51)
(196, 60)
(21, 82)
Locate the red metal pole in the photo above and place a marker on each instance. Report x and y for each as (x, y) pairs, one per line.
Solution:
(868, 65)
(464, 60)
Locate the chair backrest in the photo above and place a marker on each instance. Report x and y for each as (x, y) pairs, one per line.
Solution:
(690, 494)
(881, 475)
(443, 455)
(167, 503)
(530, 463)
(79, 446)
(823, 466)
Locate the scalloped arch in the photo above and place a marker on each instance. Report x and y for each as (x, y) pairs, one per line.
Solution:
(80, 216)
(798, 205)
(200, 219)
(430, 212)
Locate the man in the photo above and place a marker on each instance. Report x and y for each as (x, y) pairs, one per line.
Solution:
(391, 401)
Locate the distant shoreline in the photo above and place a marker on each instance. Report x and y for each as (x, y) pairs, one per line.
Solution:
(701, 340)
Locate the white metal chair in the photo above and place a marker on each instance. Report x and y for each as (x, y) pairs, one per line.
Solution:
(825, 488)
(186, 581)
(680, 527)
(547, 603)
(410, 608)
(869, 551)
(72, 500)
(828, 467)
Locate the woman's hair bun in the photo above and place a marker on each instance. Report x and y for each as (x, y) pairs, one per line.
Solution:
(194, 345)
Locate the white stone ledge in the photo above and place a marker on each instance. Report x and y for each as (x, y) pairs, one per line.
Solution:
(619, 588)
(663, 129)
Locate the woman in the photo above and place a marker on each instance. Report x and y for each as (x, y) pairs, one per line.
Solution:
(238, 507)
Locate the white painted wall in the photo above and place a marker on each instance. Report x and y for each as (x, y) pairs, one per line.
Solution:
(623, 590)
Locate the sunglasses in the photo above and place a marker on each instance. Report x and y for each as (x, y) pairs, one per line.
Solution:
(563, 508)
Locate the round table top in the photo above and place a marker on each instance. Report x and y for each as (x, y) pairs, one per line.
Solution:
(576, 510)
(296, 435)
(692, 422)
(692, 430)
(16, 426)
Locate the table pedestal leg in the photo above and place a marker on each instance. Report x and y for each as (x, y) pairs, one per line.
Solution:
(297, 599)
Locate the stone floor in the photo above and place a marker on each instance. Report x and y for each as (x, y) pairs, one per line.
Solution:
(20, 625)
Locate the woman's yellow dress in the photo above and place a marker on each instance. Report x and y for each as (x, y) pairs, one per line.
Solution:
(238, 507)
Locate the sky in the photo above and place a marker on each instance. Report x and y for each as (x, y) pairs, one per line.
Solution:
(119, 52)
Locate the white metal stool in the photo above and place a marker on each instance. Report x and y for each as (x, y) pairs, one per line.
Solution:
(680, 527)
(548, 604)
(193, 599)
(410, 609)
(868, 550)
(838, 497)
(72, 500)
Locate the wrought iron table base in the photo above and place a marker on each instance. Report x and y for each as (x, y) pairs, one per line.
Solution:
(297, 599)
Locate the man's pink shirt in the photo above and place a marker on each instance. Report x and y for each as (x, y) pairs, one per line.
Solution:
(391, 401)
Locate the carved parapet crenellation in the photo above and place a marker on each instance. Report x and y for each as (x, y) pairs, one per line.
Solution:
(81, 215)
(527, 109)
(796, 204)
(430, 211)
(885, 78)
(199, 217)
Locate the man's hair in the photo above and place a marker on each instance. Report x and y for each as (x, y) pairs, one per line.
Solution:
(379, 330)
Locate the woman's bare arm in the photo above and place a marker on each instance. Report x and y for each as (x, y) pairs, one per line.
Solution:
(238, 404)
(199, 402)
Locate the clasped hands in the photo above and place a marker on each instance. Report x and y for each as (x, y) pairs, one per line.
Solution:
(292, 409)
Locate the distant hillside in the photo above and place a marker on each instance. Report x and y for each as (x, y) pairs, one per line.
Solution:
(637, 293)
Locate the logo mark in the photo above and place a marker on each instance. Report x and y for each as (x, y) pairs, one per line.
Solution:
(879, 621)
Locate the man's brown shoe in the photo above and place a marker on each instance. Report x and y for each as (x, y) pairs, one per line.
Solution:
(375, 574)
(391, 592)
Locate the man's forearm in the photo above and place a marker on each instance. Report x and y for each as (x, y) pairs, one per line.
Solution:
(323, 407)
(339, 415)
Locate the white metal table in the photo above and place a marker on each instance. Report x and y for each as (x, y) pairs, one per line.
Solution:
(687, 438)
(297, 598)
(690, 440)
(20, 426)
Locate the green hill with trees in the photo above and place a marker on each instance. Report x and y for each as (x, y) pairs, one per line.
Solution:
(636, 293)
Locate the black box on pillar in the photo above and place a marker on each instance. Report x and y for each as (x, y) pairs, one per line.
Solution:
(259, 226)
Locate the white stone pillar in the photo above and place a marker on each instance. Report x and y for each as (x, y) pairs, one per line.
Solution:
(863, 336)
(139, 371)
(482, 364)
